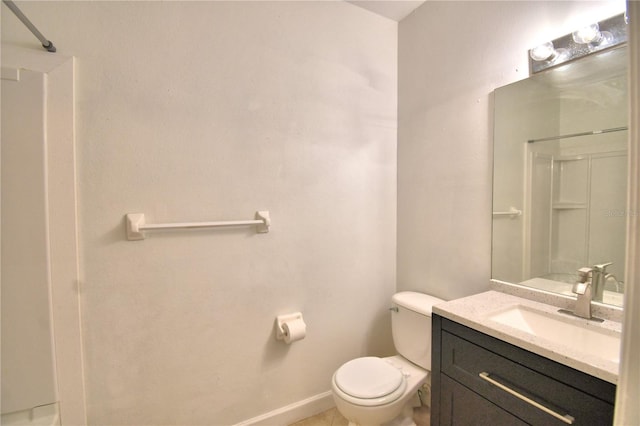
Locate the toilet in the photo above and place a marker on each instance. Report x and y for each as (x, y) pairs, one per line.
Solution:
(372, 391)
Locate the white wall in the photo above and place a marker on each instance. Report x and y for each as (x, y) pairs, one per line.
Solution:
(212, 110)
(451, 56)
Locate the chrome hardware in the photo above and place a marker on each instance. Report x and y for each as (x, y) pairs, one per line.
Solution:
(565, 418)
(603, 266)
(590, 287)
(583, 292)
(611, 277)
(584, 274)
(568, 312)
(599, 279)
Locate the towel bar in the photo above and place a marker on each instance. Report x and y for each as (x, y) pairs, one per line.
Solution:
(136, 224)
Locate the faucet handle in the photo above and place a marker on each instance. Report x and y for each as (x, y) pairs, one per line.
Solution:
(603, 266)
(584, 274)
(584, 281)
(580, 288)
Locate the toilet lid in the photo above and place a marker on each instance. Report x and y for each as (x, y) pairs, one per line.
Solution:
(368, 377)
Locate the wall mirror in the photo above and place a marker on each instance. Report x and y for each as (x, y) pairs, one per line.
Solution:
(560, 175)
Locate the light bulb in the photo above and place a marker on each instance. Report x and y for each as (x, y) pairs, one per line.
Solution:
(543, 52)
(588, 34)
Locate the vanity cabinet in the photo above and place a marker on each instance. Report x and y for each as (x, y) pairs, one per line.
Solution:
(480, 380)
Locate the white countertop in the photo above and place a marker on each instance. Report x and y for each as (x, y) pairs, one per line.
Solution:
(473, 312)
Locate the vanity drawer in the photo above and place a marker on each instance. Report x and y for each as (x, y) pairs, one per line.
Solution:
(530, 392)
(460, 406)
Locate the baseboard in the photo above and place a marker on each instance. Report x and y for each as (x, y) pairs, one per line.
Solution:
(293, 412)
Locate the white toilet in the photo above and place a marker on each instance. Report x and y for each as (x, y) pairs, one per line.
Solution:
(372, 391)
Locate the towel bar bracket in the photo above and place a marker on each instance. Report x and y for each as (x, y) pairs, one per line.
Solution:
(263, 215)
(134, 222)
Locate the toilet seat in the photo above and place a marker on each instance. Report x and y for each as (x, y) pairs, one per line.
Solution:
(369, 381)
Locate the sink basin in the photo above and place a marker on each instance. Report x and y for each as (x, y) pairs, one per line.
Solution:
(573, 332)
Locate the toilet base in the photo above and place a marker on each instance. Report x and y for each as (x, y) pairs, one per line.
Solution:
(403, 419)
(422, 416)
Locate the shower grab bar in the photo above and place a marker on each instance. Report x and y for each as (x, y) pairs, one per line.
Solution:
(512, 212)
(136, 224)
(23, 18)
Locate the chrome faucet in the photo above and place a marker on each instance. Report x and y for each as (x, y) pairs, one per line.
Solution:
(619, 285)
(583, 291)
(599, 280)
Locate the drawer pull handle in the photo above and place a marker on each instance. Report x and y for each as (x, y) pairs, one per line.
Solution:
(566, 418)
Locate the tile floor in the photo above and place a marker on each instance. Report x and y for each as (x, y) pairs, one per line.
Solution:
(330, 417)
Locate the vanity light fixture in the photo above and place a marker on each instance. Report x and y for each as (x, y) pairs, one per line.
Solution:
(584, 41)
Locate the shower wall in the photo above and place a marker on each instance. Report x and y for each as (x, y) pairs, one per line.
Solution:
(28, 360)
(190, 111)
(588, 184)
(578, 205)
(603, 179)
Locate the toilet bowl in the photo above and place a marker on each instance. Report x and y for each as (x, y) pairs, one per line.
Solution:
(387, 393)
(372, 391)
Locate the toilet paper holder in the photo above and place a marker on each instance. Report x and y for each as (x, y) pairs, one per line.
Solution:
(281, 319)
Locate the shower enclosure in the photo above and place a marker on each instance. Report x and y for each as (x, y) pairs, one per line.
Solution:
(577, 200)
(28, 360)
(42, 368)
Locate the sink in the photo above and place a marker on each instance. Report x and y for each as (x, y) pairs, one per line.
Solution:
(580, 334)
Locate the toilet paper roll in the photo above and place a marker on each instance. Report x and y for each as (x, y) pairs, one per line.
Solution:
(294, 330)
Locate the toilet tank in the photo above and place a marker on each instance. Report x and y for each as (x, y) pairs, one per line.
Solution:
(411, 326)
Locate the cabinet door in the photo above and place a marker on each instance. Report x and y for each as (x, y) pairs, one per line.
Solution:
(466, 363)
(461, 406)
(533, 389)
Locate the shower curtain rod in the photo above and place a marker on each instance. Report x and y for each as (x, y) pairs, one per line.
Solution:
(575, 135)
(21, 16)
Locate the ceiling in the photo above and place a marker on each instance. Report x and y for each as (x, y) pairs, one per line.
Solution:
(392, 9)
